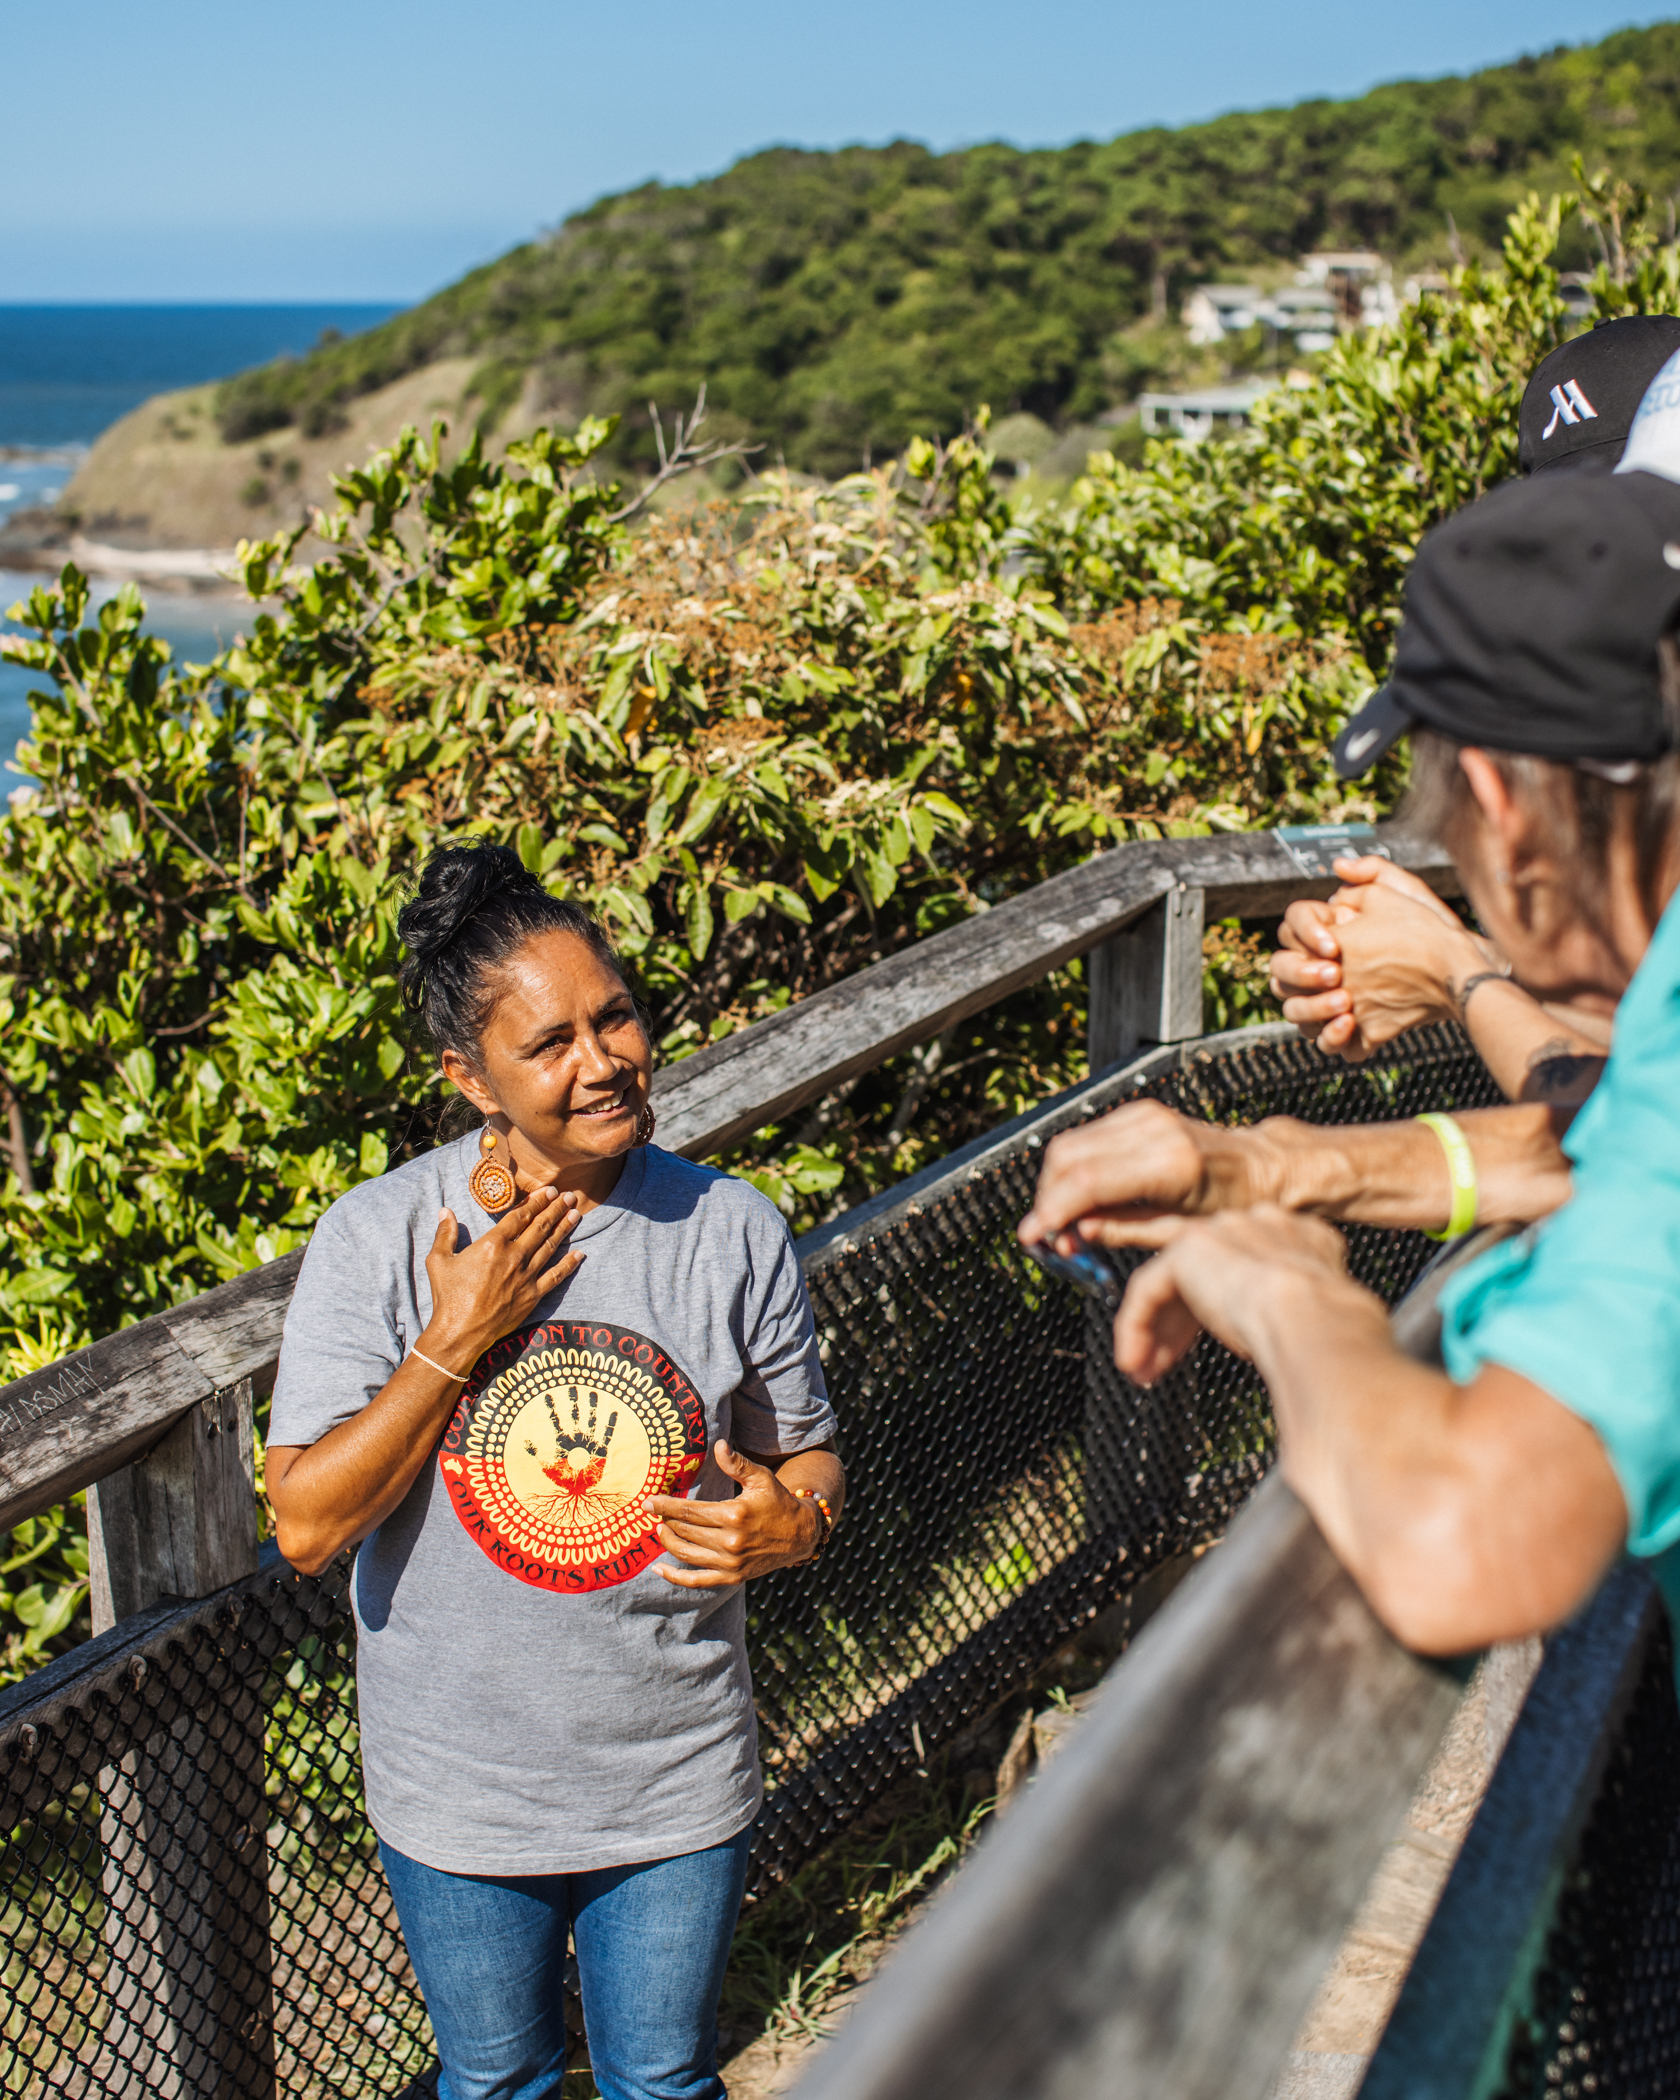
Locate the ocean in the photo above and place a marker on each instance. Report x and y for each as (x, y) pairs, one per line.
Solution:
(69, 372)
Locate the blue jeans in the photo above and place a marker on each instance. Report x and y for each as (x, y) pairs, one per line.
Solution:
(652, 1943)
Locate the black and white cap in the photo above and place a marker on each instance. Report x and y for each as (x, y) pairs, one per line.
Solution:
(1532, 623)
(1581, 399)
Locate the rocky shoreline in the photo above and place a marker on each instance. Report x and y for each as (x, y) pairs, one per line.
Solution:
(42, 541)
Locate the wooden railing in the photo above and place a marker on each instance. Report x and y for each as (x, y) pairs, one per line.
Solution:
(161, 1410)
(1139, 910)
(1156, 1916)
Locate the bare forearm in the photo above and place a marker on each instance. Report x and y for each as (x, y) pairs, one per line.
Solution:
(1466, 1514)
(328, 1494)
(335, 1492)
(1532, 1054)
(817, 1471)
(1395, 1174)
(1362, 1432)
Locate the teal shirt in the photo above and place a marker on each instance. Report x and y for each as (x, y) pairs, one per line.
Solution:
(1587, 1304)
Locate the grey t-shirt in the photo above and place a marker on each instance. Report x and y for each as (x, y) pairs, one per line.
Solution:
(535, 1696)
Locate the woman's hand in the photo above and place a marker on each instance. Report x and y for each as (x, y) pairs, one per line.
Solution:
(765, 1526)
(1382, 956)
(1234, 1276)
(491, 1287)
(329, 1494)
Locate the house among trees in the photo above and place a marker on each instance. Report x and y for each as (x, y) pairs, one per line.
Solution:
(1214, 311)
(1333, 290)
(1198, 415)
(1358, 281)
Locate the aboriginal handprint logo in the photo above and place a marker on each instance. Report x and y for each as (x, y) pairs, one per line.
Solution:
(578, 1461)
(561, 1432)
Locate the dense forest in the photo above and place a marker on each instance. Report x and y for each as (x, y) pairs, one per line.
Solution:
(834, 303)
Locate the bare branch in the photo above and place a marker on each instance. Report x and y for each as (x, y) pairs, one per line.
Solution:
(17, 1142)
(189, 842)
(684, 455)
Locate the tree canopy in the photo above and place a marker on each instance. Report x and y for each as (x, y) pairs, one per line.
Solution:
(836, 303)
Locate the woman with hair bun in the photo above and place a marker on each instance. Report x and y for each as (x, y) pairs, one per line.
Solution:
(561, 1389)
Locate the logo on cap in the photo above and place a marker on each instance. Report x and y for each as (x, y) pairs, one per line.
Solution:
(1569, 405)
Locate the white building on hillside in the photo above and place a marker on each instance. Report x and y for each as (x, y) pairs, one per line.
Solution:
(1358, 280)
(1308, 314)
(1199, 415)
(1214, 311)
(1334, 290)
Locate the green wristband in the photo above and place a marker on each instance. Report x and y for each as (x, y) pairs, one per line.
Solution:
(1461, 1170)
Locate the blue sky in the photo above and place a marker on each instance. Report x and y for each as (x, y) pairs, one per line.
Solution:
(371, 149)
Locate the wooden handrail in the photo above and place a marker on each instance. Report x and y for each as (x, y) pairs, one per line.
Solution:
(63, 1428)
(93, 1412)
(725, 1092)
(1156, 1915)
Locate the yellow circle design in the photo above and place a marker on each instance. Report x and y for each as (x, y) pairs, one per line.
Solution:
(562, 1447)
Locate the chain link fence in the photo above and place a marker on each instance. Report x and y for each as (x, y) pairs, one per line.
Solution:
(192, 1900)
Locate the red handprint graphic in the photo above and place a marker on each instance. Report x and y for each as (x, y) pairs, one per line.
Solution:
(578, 1462)
(555, 1444)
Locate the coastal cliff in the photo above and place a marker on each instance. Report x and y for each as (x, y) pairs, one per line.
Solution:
(162, 482)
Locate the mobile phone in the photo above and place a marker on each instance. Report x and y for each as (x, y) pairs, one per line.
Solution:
(1086, 1268)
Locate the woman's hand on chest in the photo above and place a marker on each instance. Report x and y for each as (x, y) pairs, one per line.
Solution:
(766, 1526)
(495, 1283)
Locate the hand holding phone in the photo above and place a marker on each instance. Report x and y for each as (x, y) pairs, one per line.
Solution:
(1086, 1268)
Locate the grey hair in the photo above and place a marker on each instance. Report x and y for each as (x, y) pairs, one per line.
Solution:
(1576, 802)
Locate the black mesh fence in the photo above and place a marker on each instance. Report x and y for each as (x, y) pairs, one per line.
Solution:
(192, 1900)
(1599, 2017)
(1004, 1482)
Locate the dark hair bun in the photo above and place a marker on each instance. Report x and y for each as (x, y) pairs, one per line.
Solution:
(456, 884)
(473, 908)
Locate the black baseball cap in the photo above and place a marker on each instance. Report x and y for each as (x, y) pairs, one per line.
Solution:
(1580, 400)
(1532, 623)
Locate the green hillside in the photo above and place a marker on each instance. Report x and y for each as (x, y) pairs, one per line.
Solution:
(836, 302)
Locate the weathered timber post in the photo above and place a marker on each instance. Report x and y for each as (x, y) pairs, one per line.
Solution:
(1145, 985)
(184, 1828)
(182, 1520)
(1145, 989)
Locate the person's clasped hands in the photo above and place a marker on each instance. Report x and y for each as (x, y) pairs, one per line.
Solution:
(1380, 957)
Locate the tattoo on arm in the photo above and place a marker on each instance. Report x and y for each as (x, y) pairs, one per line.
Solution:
(1558, 1072)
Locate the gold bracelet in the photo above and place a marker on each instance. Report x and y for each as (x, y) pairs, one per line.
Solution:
(457, 1377)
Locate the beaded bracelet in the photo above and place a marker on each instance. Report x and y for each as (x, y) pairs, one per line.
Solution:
(827, 1515)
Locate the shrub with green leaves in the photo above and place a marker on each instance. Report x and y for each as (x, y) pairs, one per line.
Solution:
(768, 743)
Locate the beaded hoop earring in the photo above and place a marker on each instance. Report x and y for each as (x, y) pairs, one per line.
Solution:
(490, 1184)
(646, 1124)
